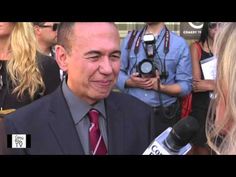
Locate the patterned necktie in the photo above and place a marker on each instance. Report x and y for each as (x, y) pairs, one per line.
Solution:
(97, 145)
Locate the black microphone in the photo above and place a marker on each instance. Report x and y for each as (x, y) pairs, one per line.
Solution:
(174, 141)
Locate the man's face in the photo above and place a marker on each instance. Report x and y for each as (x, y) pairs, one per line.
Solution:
(94, 61)
(152, 23)
(49, 35)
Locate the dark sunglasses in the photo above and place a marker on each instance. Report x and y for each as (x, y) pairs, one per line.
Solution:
(213, 25)
(54, 26)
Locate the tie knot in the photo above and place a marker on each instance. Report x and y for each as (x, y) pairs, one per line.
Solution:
(93, 116)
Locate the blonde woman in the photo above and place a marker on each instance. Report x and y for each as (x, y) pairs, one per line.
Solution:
(221, 121)
(25, 75)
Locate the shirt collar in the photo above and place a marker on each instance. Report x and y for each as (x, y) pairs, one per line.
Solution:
(161, 34)
(78, 107)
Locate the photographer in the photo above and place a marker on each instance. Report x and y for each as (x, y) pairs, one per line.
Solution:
(157, 70)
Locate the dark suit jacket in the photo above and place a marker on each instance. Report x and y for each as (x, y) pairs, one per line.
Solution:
(50, 72)
(52, 130)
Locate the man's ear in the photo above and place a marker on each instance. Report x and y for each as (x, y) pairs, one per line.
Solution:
(37, 30)
(61, 57)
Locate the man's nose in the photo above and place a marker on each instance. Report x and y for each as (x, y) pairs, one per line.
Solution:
(106, 66)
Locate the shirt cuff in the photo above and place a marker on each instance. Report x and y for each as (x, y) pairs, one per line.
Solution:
(121, 82)
(185, 87)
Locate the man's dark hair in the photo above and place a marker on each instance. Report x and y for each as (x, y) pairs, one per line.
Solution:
(64, 35)
(38, 23)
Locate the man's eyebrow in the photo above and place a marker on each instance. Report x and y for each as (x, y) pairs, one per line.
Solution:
(99, 53)
(116, 52)
(93, 52)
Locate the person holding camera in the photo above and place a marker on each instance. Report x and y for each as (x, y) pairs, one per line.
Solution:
(156, 68)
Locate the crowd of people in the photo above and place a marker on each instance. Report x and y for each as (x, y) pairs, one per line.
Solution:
(57, 80)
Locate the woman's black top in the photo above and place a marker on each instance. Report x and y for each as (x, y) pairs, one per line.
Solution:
(200, 104)
(50, 74)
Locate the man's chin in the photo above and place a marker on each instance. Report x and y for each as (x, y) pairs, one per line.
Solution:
(101, 95)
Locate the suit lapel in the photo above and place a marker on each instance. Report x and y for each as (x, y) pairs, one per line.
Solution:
(115, 125)
(63, 126)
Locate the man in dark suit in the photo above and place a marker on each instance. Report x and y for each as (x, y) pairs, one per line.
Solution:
(63, 122)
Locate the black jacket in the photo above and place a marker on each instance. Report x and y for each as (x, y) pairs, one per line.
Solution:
(51, 77)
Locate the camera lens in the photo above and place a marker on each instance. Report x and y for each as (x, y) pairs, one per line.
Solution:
(146, 67)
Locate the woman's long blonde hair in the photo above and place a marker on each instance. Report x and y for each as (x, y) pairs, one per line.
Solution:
(22, 67)
(225, 50)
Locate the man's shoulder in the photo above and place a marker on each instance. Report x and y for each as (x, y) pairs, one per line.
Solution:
(175, 36)
(133, 33)
(128, 101)
(45, 60)
(34, 110)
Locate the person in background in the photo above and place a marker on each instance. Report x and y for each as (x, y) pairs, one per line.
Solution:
(25, 75)
(202, 87)
(171, 77)
(83, 116)
(221, 118)
(46, 35)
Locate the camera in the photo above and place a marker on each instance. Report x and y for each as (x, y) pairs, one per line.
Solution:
(147, 67)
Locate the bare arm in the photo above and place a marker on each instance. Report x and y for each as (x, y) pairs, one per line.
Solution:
(195, 62)
(199, 85)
